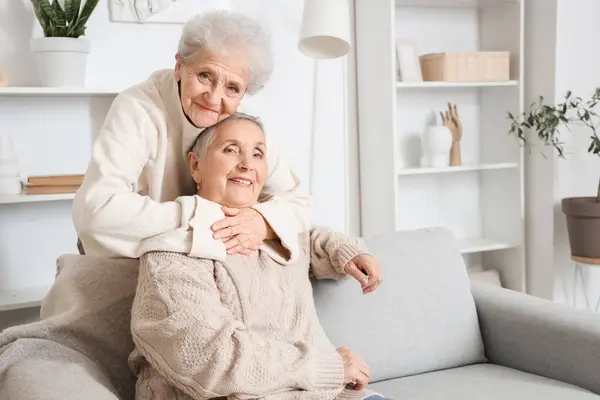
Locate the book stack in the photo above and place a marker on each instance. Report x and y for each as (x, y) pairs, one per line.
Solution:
(53, 184)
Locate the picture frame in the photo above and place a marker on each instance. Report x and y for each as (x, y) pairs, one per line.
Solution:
(407, 59)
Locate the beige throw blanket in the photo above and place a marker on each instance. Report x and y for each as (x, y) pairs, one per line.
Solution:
(80, 347)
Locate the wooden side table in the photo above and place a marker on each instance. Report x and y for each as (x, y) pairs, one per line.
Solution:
(579, 263)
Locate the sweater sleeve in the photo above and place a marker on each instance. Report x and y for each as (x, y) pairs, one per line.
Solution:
(106, 210)
(330, 251)
(183, 328)
(284, 206)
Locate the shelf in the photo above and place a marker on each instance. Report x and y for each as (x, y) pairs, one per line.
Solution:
(442, 84)
(477, 245)
(462, 168)
(26, 91)
(451, 3)
(31, 198)
(22, 298)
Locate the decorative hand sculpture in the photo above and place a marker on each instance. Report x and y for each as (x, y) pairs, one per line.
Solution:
(452, 121)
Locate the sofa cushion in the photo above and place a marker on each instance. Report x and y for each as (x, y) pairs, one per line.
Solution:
(422, 317)
(482, 381)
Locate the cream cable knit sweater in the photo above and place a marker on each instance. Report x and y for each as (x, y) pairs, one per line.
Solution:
(242, 329)
(131, 199)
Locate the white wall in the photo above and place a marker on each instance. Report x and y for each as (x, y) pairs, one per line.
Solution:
(576, 70)
(53, 136)
(560, 58)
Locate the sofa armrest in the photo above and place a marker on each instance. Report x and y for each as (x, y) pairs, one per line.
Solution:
(538, 336)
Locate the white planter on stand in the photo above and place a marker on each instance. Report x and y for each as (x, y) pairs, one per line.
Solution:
(61, 61)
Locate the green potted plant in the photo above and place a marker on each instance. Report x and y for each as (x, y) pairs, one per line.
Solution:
(582, 213)
(61, 54)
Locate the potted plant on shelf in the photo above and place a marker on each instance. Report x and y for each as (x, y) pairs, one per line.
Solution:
(582, 213)
(61, 54)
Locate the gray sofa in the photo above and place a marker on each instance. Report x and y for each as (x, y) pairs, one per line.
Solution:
(428, 333)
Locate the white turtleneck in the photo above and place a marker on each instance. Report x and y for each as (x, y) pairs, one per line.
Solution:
(138, 196)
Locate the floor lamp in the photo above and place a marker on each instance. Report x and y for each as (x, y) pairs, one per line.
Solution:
(324, 34)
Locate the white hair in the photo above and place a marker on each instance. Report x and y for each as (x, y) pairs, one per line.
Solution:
(221, 31)
(206, 137)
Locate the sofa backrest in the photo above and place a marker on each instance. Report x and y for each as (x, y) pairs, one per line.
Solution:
(422, 318)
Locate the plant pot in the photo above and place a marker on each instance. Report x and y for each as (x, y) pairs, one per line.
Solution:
(61, 61)
(583, 226)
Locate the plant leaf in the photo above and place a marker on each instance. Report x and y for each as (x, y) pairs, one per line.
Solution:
(41, 16)
(59, 14)
(71, 11)
(49, 11)
(86, 12)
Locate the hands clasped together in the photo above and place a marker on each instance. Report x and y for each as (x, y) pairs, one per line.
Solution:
(242, 230)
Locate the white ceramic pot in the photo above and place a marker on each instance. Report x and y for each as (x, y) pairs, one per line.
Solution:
(436, 143)
(61, 61)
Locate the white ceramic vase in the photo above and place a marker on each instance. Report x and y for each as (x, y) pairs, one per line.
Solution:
(9, 167)
(61, 61)
(436, 142)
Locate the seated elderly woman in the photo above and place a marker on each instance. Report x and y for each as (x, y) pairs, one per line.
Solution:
(246, 327)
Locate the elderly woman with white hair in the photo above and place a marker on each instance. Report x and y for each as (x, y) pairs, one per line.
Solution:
(243, 327)
(137, 186)
(137, 190)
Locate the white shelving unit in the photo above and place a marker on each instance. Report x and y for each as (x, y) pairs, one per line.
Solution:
(21, 91)
(482, 201)
(89, 102)
(23, 198)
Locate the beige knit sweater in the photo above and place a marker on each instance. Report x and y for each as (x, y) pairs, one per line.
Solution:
(246, 328)
(133, 197)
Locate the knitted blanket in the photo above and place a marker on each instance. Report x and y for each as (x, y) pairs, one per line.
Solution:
(79, 348)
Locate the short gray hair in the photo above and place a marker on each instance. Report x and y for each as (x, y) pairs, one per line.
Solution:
(229, 30)
(203, 141)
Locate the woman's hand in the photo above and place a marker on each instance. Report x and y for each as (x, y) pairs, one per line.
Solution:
(243, 230)
(356, 372)
(366, 270)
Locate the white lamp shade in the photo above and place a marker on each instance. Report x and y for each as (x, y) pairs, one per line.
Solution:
(325, 29)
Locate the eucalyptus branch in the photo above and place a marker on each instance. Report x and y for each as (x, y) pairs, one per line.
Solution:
(546, 120)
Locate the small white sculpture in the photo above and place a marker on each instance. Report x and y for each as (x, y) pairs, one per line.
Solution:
(436, 143)
(9, 167)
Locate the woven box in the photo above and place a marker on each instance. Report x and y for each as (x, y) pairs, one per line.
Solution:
(475, 66)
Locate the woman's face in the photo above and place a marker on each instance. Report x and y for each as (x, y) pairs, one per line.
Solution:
(234, 169)
(212, 86)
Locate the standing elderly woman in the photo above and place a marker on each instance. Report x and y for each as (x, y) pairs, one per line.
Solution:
(134, 184)
(136, 190)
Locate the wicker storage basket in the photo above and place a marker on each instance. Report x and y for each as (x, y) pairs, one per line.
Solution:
(476, 66)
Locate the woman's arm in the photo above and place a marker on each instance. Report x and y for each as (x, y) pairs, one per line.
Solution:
(180, 325)
(331, 251)
(110, 218)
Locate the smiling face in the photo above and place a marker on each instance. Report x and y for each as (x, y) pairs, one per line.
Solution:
(234, 169)
(212, 86)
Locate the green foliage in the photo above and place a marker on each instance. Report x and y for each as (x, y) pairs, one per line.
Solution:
(546, 120)
(68, 22)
